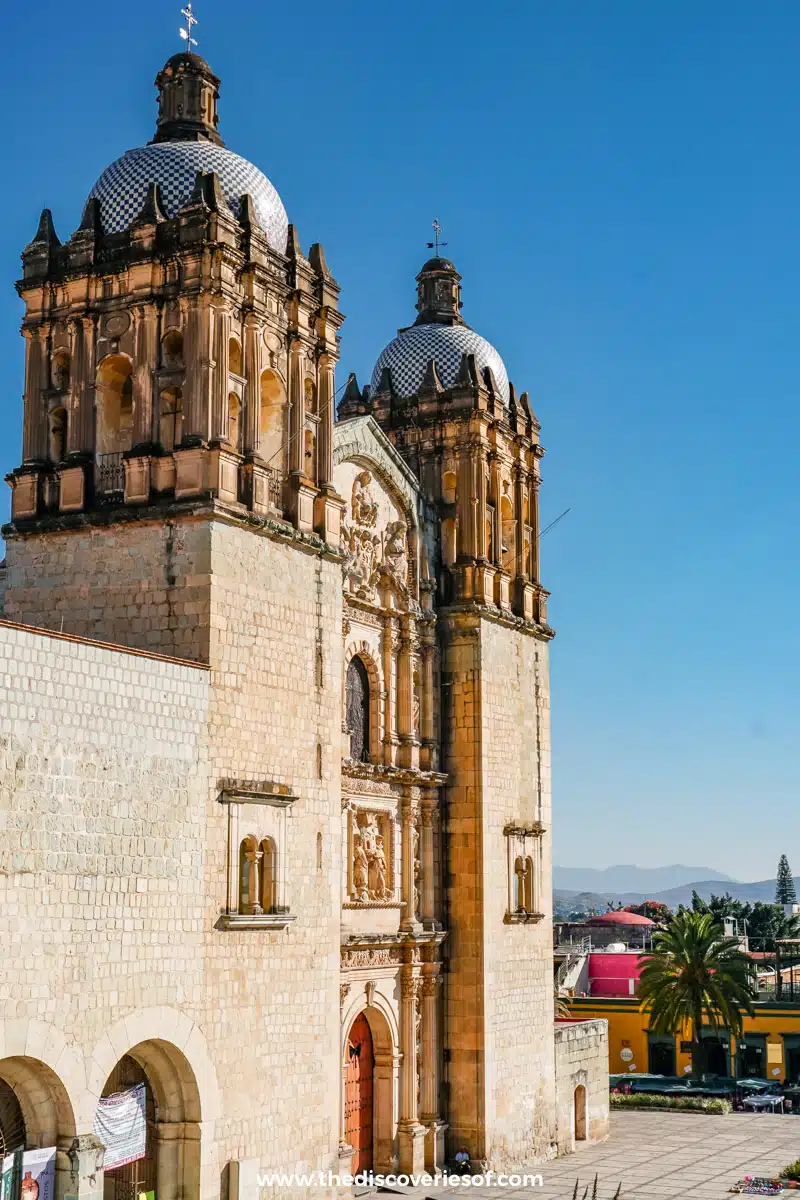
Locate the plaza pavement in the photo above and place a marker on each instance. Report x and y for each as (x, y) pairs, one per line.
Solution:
(661, 1156)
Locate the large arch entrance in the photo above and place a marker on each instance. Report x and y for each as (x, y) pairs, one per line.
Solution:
(370, 1087)
(359, 1087)
(170, 1165)
(36, 1112)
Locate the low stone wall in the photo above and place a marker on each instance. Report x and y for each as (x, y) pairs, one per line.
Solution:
(581, 1051)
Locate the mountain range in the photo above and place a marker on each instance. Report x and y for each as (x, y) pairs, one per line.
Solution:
(646, 880)
(706, 883)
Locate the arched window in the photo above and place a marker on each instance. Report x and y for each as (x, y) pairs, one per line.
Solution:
(249, 876)
(358, 710)
(528, 890)
(273, 415)
(170, 422)
(114, 413)
(234, 420)
(58, 435)
(234, 357)
(172, 350)
(449, 487)
(269, 875)
(448, 542)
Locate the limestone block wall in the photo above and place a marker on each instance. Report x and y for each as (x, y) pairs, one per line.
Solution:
(515, 786)
(137, 582)
(130, 879)
(275, 714)
(499, 995)
(581, 1056)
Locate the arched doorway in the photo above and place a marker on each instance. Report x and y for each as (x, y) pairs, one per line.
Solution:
(170, 1165)
(580, 1113)
(125, 1182)
(36, 1113)
(12, 1122)
(358, 1094)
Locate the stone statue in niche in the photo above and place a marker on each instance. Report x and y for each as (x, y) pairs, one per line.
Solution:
(370, 868)
(378, 870)
(395, 556)
(360, 869)
(417, 870)
(363, 507)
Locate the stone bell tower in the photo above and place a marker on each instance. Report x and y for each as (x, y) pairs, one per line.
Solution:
(441, 394)
(180, 355)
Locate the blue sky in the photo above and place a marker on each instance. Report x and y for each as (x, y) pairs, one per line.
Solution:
(618, 184)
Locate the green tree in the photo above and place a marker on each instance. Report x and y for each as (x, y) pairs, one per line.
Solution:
(653, 909)
(763, 923)
(784, 884)
(694, 973)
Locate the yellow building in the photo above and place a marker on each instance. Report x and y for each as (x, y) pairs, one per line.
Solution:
(769, 1047)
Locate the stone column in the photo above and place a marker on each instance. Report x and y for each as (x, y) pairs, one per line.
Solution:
(427, 737)
(408, 817)
(219, 423)
(429, 1117)
(144, 363)
(520, 566)
(296, 408)
(252, 368)
(86, 1156)
(405, 696)
(325, 393)
(533, 506)
(197, 355)
(428, 896)
(80, 428)
(389, 737)
(34, 429)
(410, 1134)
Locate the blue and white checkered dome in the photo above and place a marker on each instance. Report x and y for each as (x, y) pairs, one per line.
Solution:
(409, 354)
(122, 188)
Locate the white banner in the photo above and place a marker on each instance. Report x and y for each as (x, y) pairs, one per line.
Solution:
(121, 1125)
(38, 1174)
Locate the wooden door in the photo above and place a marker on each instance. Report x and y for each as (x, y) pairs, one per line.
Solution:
(358, 1086)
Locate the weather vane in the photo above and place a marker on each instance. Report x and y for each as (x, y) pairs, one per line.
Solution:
(191, 20)
(435, 244)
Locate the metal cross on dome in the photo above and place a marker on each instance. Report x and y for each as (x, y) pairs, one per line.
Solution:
(191, 20)
(436, 243)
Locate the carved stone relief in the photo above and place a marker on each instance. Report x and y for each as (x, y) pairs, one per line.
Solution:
(375, 539)
(371, 857)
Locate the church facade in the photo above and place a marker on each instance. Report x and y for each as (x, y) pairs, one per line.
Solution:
(275, 716)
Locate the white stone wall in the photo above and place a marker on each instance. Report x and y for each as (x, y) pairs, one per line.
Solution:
(518, 958)
(116, 842)
(581, 1054)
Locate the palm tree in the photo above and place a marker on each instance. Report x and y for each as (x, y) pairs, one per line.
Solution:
(695, 971)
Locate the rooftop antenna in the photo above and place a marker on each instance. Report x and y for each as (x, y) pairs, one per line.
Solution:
(191, 20)
(436, 243)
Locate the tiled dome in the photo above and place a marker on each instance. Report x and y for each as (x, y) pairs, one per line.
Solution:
(411, 351)
(122, 188)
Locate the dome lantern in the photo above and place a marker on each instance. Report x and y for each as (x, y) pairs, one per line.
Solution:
(439, 294)
(188, 91)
